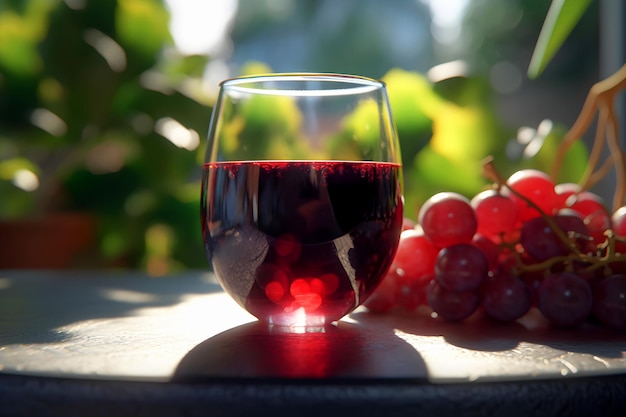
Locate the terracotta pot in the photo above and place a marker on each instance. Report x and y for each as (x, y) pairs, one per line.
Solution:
(55, 241)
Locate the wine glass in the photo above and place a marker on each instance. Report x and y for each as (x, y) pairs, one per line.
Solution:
(301, 201)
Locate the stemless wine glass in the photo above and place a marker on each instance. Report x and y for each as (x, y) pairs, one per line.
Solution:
(301, 200)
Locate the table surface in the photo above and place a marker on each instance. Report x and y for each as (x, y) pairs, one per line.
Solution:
(182, 329)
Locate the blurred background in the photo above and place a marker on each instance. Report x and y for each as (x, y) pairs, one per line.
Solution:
(105, 105)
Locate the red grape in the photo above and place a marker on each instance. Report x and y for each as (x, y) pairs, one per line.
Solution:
(461, 255)
(593, 210)
(563, 191)
(448, 219)
(461, 267)
(618, 224)
(409, 274)
(598, 223)
(609, 301)
(415, 256)
(413, 294)
(489, 248)
(565, 299)
(385, 296)
(506, 297)
(535, 186)
(452, 305)
(585, 202)
(407, 224)
(618, 221)
(496, 214)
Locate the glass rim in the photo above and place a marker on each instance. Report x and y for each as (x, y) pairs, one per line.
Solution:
(346, 84)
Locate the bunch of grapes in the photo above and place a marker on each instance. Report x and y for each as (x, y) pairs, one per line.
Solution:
(525, 243)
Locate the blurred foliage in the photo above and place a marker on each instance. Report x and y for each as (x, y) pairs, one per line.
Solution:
(95, 102)
(447, 128)
(360, 134)
(349, 36)
(495, 31)
(267, 125)
(97, 106)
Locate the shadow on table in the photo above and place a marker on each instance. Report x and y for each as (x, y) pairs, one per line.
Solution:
(481, 333)
(34, 304)
(369, 347)
(344, 351)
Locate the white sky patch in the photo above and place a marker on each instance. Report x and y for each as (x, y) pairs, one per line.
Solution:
(447, 16)
(201, 26)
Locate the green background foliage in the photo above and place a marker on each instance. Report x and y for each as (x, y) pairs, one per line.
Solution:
(109, 77)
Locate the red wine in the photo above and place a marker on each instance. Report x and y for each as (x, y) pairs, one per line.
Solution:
(301, 242)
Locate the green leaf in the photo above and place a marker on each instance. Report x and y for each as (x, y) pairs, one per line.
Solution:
(562, 16)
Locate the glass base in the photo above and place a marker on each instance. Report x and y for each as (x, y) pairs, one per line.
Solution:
(297, 321)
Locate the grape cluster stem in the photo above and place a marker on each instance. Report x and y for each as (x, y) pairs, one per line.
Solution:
(593, 261)
(600, 99)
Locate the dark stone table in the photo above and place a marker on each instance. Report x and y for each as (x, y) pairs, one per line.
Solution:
(125, 344)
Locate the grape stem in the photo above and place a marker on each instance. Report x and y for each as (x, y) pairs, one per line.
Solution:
(592, 260)
(491, 172)
(600, 98)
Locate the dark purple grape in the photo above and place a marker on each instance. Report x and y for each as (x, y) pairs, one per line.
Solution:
(540, 240)
(574, 226)
(452, 305)
(609, 301)
(461, 267)
(619, 265)
(565, 299)
(489, 248)
(506, 297)
(593, 209)
(618, 225)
